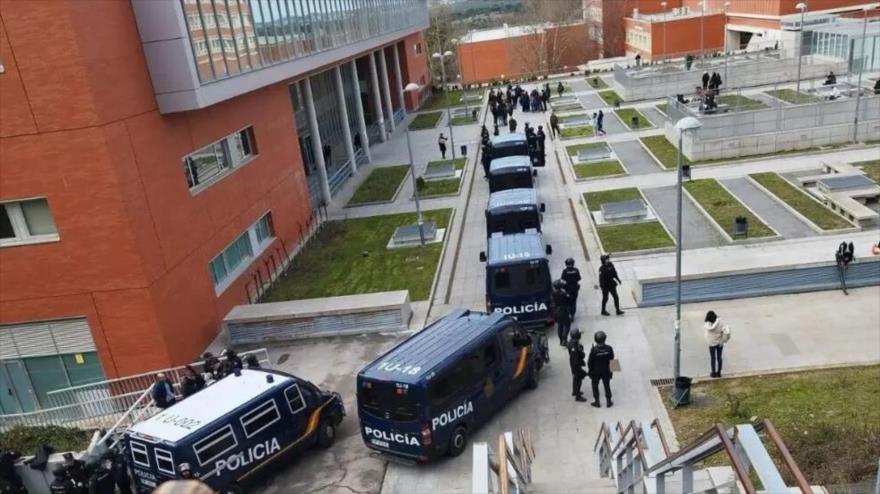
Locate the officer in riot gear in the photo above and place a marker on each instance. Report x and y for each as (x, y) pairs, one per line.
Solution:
(119, 471)
(576, 362)
(101, 479)
(61, 483)
(76, 471)
(599, 368)
(572, 278)
(562, 302)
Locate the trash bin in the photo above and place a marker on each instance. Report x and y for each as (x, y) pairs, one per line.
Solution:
(464, 150)
(681, 391)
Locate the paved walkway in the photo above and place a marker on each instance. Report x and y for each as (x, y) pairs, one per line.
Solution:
(656, 118)
(591, 102)
(698, 230)
(634, 157)
(770, 211)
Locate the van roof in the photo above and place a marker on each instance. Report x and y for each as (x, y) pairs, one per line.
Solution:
(508, 163)
(514, 249)
(429, 348)
(210, 404)
(507, 139)
(512, 198)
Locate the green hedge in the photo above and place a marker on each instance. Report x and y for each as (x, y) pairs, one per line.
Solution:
(26, 440)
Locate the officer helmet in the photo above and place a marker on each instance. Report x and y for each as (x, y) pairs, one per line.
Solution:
(569, 262)
(558, 284)
(600, 337)
(59, 471)
(575, 334)
(184, 467)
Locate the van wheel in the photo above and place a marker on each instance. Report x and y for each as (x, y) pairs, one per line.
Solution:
(326, 434)
(458, 441)
(532, 379)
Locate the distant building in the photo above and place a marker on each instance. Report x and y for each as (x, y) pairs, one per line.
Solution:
(522, 51)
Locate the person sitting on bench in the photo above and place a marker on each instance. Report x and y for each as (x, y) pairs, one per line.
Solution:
(830, 79)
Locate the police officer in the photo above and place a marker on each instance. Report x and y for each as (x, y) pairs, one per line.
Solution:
(562, 310)
(76, 471)
(185, 471)
(119, 471)
(541, 138)
(572, 278)
(608, 281)
(511, 124)
(599, 368)
(61, 483)
(576, 362)
(101, 479)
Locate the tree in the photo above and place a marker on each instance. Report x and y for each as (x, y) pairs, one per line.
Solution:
(439, 39)
(546, 39)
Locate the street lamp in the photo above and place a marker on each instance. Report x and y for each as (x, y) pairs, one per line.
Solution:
(412, 86)
(684, 125)
(726, 53)
(866, 8)
(442, 58)
(803, 8)
(467, 108)
(663, 5)
(702, 21)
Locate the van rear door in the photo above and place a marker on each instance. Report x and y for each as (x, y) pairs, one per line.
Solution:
(389, 416)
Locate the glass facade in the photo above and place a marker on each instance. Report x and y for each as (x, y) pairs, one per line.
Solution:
(845, 41)
(228, 37)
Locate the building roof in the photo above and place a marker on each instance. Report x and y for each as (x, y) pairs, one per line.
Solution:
(514, 249)
(512, 198)
(509, 164)
(430, 347)
(500, 33)
(208, 405)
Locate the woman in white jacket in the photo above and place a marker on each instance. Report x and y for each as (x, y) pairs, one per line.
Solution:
(717, 334)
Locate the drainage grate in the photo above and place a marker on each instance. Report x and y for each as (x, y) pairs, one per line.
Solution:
(666, 381)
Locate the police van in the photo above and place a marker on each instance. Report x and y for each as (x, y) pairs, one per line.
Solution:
(232, 429)
(511, 172)
(518, 277)
(513, 211)
(513, 144)
(421, 399)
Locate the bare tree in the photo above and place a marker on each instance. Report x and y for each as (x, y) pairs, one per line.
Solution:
(439, 38)
(547, 40)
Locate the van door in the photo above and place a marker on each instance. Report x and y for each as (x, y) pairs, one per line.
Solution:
(295, 398)
(469, 392)
(516, 360)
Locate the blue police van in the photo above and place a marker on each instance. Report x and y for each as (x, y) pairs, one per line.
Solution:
(518, 277)
(513, 144)
(421, 399)
(232, 429)
(513, 211)
(511, 172)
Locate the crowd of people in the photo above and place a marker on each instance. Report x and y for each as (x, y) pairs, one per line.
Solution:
(213, 369)
(503, 102)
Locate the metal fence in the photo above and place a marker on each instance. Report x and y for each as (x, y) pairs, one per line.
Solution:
(99, 405)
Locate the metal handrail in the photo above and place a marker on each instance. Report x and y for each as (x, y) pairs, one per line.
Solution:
(656, 425)
(145, 394)
(799, 478)
(738, 468)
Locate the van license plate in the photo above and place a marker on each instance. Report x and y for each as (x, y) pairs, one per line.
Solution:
(379, 443)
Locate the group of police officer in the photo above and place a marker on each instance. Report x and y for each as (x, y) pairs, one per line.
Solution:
(103, 476)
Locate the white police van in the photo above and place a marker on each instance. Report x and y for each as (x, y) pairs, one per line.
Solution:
(231, 430)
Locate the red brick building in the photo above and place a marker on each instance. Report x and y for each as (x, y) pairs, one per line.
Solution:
(154, 156)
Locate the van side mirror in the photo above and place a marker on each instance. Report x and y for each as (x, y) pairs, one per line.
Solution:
(549, 249)
(482, 257)
(542, 207)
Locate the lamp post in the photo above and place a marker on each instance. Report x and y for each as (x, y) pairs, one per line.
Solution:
(866, 8)
(663, 5)
(467, 108)
(726, 52)
(800, 49)
(442, 58)
(684, 125)
(412, 86)
(702, 21)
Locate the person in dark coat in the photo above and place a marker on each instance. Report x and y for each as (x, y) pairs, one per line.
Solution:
(119, 471)
(495, 131)
(191, 383)
(554, 125)
(599, 368)
(441, 143)
(76, 472)
(512, 125)
(608, 281)
(211, 365)
(162, 392)
(562, 311)
(485, 158)
(572, 278)
(61, 483)
(502, 113)
(576, 362)
(232, 361)
(541, 138)
(705, 80)
(101, 479)
(510, 107)
(524, 101)
(560, 88)
(545, 97)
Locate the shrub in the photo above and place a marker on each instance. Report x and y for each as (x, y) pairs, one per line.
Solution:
(26, 440)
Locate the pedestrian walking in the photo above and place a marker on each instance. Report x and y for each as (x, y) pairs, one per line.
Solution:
(554, 125)
(162, 392)
(706, 78)
(441, 143)
(560, 88)
(599, 368)
(576, 361)
(600, 123)
(512, 125)
(541, 138)
(717, 334)
(562, 311)
(608, 281)
(510, 107)
(572, 278)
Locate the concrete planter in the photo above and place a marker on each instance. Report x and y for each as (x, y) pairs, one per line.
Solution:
(800, 216)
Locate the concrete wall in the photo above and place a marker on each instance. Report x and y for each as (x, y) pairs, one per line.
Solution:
(747, 74)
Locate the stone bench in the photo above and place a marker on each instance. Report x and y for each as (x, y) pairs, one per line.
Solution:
(855, 211)
(318, 317)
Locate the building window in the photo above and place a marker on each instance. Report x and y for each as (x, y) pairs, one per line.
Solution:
(216, 159)
(418, 48)
(230, 263)
(26, 222)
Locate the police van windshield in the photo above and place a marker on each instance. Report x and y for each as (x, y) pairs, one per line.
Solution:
(515, 222)
(386, 400)
(503, 151)
(522, 180)
(520, 279)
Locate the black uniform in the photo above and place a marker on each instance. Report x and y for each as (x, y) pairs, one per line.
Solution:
(62, 485)
(572, 278)
(119, 471)
(512, 124)
(576, 362)
(76, 471)
(101, 481)
(562, 302)
(599, 369)
(608, 280)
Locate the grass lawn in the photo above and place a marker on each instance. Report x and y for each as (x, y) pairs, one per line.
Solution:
(380, 185)
(792, 96)
(349, 257)
(664, 150)
(742, 102)
(609, 97)
(598, 169)
(871, 169)
(661, 107)
(573, 150)
(575, 132)
(634, 236)
(596, 83)
(723, 207)
(430, 188)
(829, 419)
(823, 217)
(594, 200)
(463, 121)
(425, 120)
(627, 115)
(438, 99)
